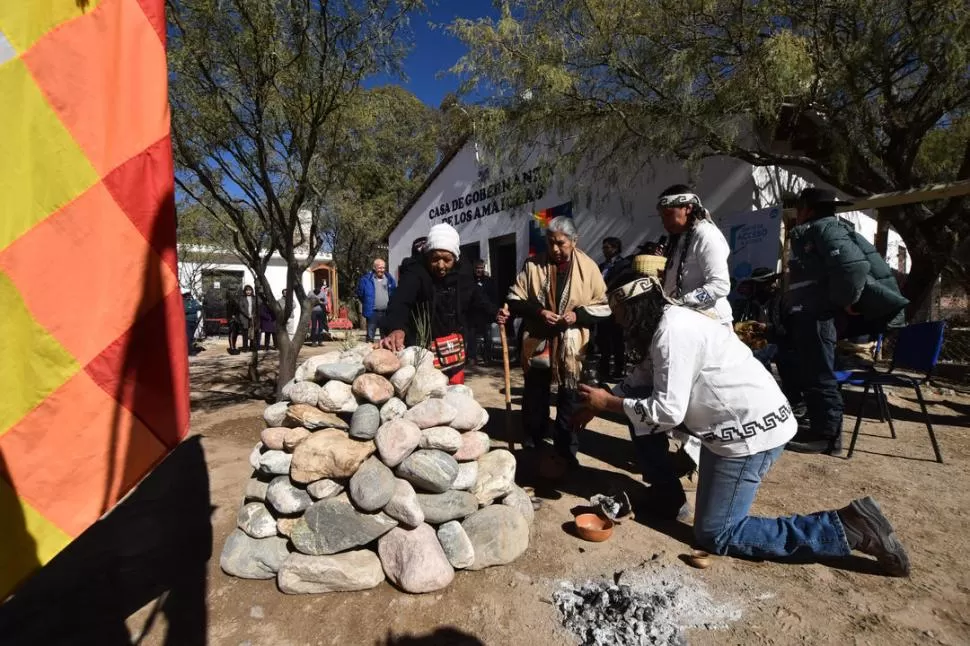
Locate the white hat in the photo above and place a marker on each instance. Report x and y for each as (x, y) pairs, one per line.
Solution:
(443, 237)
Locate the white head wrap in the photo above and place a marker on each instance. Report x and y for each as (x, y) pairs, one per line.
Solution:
(443, 237)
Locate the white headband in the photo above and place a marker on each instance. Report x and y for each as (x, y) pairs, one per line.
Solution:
(638, 287)
(680, 199)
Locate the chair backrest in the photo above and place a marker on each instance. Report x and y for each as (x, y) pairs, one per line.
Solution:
(918, 347)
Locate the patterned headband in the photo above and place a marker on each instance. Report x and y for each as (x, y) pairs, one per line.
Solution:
(680, 199)
(636, 288)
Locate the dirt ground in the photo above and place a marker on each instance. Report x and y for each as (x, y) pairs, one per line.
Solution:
(840, 603)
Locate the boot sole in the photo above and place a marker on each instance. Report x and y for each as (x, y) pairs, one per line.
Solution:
(893, 558)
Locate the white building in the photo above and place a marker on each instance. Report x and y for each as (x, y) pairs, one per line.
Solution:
(745, 201)
(204, 268)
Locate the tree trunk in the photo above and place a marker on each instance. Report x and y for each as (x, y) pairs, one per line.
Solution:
(882, 234)
(920, 283)
(289, 352)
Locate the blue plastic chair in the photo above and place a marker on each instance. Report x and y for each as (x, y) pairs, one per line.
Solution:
(855, 377)
(917, 350)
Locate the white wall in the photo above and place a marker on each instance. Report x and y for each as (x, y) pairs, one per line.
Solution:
(275, 274)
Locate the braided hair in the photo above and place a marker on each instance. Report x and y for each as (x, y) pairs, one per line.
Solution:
(696, 214)
(642, 314)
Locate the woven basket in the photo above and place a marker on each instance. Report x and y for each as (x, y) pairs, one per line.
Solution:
(649, 265)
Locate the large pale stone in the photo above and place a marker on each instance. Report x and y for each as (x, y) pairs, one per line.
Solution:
(427, 383)
(393, 409)
(285, 498)
(275, 463)
(312, 418)
(284, 526)
(293, 437)
(275, 414)
(373, 388)
(498, 535)
(520, 501)
(460, 389)
(416, 356)
(333, 525)
(403, 505)
(401, 380)
(458, 548)
(328, 454)
(252, 558)
(256, 453)
(396, 440)
(302, 392)
(469, 414)
(451, 505)
(365, 422)
(308, 369)
(430, 470)
(467, 475)
(324, 488)
(443, 438)
(474, 444)
(256, 489)
(382, 362)
(414, 560)
(335, 397)
(431, 412)
(496, 476)
(372, 486)
(272, 437)
(347, 572)
(254, 519)
(345, 372)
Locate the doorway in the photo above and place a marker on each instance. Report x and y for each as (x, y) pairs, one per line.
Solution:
(470, 253)
(501, 253)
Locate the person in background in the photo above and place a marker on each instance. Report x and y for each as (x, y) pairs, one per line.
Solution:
(294, 319)
(704, 377)
(319, 311)
(697, 255)
(267, 327)
(193, 313)
(609, 337)
(232, 310)
(245, 312)
(837, 279)
(560, 297)
(374, 290)
(484, 283)
(437, 300)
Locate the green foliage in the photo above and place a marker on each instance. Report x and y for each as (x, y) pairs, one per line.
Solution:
(876, 92)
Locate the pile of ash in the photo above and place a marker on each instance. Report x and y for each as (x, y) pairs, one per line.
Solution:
(651, 605)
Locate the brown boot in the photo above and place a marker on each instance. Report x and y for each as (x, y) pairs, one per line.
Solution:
(868, 531)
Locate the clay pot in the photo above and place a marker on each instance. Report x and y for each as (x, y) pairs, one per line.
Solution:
(593, 527)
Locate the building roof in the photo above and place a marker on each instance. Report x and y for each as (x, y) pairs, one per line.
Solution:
(432, 176)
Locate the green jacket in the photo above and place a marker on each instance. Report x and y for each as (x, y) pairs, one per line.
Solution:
(832, 267)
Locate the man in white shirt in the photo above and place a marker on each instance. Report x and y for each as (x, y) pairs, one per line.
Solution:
(705, 378)
(697, 271)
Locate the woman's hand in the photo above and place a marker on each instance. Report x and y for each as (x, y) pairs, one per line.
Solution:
(393, 341)
(551, 318)
(502, 316)
(569, 319)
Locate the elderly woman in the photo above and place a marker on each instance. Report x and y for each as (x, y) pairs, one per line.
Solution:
(704, 377)
(697, 256)
(560, 297)
(435, 298)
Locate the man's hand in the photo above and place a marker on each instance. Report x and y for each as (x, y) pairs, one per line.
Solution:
(569, 319)
(393, 341)
(503, 315)
(596, 399)
(551, 318)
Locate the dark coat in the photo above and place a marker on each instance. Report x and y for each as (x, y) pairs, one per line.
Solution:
(832, 267)
(267, 319)
(454, 302)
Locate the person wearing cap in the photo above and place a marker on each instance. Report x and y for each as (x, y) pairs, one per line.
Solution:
(838, 285)
(697, 271)
(704, 377)
(560, 297)
(441, 292)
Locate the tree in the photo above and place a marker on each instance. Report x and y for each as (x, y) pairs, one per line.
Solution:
(264, 94)
(396, 137)
(870, 96)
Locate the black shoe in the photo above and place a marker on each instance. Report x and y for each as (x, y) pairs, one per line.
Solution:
(867, 530)
(818, 445)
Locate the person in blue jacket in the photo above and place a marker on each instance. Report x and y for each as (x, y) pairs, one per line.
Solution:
(374, 291)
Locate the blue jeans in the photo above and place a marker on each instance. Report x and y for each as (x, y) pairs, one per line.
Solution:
(374, 324)
(726, 488)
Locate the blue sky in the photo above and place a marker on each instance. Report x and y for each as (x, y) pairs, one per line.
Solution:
(435, 50)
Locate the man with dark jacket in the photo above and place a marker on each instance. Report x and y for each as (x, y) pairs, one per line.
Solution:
(838, 282)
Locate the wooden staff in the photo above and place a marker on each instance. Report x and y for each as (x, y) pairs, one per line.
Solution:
(508, 388)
